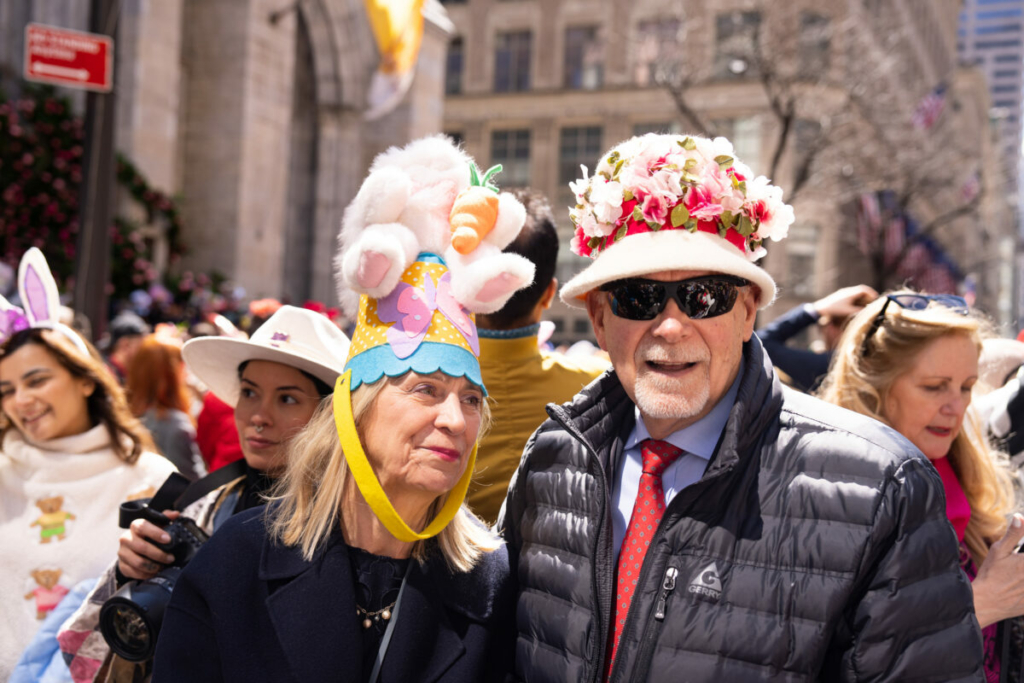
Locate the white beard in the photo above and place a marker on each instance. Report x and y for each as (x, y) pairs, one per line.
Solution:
(662, 398)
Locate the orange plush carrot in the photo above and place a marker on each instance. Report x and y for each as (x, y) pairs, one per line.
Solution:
(475, 211)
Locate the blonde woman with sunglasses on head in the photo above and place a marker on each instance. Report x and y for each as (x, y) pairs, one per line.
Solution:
(910, 360)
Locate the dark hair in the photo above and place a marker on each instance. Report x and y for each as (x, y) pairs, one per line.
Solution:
(538, 242)
(322, 388)
(107, 403)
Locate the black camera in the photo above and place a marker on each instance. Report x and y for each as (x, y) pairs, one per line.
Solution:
(130, 620)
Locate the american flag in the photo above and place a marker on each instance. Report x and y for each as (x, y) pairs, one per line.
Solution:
(971, 187)
(928, 110)
(895, 236)
(869, 221)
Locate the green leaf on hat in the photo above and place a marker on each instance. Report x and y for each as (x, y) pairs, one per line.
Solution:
(621, 232)
(679, 215)
(722, 229)
(655, 227)
(613, 157)
(724, 161)
(638, 215)
(627, 195)
(593, 242)
(745, 228)
(740, 185)
(476, 181)
(689, 178)
(618, 167)
(690, 164)
(688, 144)
(727, 218)
(691, 225)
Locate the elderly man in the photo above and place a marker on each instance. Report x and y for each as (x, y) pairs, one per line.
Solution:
(686, 518)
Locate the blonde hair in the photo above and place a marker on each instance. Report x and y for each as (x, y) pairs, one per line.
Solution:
(861, 382)
(311, 491)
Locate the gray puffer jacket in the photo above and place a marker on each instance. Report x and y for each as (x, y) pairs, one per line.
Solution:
(814, 548)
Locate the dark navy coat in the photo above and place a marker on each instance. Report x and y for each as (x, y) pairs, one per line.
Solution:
(248, 609)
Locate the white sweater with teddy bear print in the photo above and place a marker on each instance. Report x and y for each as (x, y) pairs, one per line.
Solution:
(58, 523)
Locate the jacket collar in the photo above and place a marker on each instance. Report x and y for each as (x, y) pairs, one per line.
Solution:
(313, 614)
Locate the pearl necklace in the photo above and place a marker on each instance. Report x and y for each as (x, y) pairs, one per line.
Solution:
(369, 618)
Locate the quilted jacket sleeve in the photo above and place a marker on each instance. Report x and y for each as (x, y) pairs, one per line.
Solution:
(915, 617)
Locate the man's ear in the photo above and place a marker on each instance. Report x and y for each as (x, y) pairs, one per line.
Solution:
(549, 294)
(748, 299)
(597, 307)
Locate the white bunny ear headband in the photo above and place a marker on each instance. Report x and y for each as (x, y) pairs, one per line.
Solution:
(39, 295)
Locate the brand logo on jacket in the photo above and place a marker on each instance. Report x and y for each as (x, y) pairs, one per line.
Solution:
(706, 583)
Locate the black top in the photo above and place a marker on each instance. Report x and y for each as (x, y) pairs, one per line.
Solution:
(377, 581)
(257, 483)
(249, 609)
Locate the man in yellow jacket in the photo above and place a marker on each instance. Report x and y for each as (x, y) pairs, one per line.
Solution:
(521, 378)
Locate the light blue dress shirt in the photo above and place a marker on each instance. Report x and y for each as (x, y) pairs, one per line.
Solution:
(698, 442)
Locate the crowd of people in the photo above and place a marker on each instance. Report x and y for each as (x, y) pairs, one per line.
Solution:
(435, 496)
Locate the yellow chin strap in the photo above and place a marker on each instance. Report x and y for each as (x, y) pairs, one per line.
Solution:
(367, 481)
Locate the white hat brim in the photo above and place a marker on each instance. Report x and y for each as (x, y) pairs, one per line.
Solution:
(215, 361)
(653, 252)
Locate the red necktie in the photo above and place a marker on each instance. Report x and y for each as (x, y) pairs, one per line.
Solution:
(648, 510)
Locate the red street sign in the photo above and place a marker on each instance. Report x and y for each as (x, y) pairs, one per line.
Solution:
(70, 58)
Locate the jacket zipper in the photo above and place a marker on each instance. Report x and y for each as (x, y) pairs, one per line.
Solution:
(651, 630)
(597, 664)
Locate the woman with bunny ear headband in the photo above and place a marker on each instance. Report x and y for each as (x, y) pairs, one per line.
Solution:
(71, 453)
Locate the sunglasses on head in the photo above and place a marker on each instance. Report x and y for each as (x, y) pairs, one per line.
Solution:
(700, 297)
(913, 302)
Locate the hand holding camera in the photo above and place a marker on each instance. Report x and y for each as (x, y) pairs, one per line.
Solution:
(140, 556)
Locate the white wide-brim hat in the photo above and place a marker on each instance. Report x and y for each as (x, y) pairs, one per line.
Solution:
(295, 337)
(653, 252)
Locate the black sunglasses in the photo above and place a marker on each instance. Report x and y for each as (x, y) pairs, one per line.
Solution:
(913, 302)
(700, 297)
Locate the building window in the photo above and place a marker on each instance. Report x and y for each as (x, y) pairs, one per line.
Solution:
(456, 137)
(511, 149)
(1007, 58)
(577, 146)
(996, 28)
(512, 61)
(583, 58)
(745, 135)
(736, 44)
(453, 68)
(1006, 74)
(814, 44)
(993, 44)
(581, 326)
(671, 128)
(801, 251)
(1005, 88)
(658, 51)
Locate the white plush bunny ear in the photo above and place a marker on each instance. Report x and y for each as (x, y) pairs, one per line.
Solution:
(38, 289)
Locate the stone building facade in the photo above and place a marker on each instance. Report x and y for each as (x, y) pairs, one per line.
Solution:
(250, 112)
(543, 86)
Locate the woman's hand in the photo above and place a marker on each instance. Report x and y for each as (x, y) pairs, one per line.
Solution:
(999, 586)
(138, 558)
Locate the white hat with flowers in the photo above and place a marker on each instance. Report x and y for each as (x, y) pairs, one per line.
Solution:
(674, 202)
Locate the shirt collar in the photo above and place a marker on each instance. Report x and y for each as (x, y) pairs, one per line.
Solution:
(701, 437)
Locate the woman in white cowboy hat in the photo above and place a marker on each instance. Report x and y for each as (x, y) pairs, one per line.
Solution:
(274, 381)
(368, 567)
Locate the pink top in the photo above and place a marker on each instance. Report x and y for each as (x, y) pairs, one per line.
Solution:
(958, 510)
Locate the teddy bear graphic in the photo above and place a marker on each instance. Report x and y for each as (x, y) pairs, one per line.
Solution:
(48, 593)
(52, 522)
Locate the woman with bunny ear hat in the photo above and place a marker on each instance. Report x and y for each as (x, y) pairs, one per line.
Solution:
(369, 537)
(71, 453)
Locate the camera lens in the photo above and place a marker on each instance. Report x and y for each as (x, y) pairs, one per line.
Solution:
(130, 620)
(130, 629)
